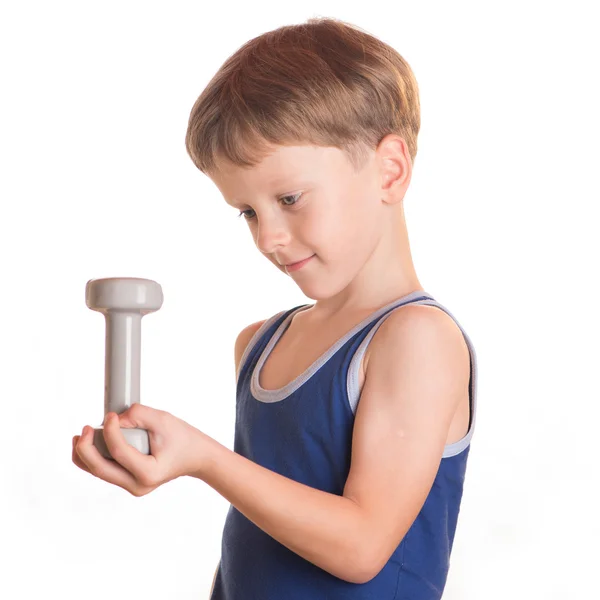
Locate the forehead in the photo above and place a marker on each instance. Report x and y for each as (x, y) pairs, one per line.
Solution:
(283, 166)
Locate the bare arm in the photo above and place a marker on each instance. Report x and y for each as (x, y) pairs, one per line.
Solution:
(411, 392)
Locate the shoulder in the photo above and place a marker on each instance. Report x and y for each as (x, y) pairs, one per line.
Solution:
(417, 327)
(243, 339)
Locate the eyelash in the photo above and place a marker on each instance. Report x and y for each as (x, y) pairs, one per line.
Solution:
(298, 195)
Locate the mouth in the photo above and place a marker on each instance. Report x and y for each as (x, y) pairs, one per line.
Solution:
(297, 265)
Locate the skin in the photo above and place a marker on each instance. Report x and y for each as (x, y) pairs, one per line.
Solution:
(352, 222)
(177, 449)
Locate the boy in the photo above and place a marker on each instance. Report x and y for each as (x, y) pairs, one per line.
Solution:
(354, 414)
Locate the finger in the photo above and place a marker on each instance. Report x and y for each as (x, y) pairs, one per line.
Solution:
(141, 466)
(75, 457)
(101, 467)
(142, 416)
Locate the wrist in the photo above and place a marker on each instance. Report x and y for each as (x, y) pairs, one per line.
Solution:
(204, 454)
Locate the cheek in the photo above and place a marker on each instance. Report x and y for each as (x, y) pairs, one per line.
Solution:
(329, 230)
(352, 222)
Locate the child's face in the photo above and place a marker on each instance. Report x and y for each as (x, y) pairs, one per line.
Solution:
(306, 201)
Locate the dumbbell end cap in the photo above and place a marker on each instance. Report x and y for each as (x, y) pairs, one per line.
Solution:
(138, 438)
(123, 293)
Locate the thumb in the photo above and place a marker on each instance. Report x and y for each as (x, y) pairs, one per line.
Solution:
(139, 415)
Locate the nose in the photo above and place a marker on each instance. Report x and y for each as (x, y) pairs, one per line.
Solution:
(271, 233)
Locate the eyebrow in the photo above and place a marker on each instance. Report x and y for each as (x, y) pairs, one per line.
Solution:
(236, 204)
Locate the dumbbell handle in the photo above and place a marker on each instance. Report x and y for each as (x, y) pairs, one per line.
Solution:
(122, 366)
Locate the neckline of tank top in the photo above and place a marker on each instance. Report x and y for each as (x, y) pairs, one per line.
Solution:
(292, 385)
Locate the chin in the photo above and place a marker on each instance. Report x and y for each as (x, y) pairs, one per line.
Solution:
(315, 292)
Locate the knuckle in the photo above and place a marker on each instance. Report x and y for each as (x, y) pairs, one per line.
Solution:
(99, 471)
(147, 480)
(134, 410)
(138, 493)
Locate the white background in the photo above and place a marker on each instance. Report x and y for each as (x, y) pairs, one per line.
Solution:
(95, 182)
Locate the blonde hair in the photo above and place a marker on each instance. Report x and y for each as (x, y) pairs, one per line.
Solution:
(324, 83)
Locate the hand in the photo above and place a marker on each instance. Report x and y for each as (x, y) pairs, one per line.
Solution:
(176, 449)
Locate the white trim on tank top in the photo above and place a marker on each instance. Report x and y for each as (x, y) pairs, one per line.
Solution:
(352, 387)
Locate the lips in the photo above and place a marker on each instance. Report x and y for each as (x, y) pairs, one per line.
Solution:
(296, 262)
(297, 265)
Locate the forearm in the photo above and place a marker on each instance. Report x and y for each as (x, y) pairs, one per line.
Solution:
(328, 530)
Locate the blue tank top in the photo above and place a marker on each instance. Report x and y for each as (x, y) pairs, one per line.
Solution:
(304, 431)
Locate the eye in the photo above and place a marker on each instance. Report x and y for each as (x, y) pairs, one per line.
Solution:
(295, 197)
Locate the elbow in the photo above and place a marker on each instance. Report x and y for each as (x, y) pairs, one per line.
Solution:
(363, 572)
(364, 551)
(362, 564)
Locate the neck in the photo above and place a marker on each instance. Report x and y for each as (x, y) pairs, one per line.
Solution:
(387, 274)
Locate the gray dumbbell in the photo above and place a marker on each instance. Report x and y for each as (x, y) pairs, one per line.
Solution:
(123, 301)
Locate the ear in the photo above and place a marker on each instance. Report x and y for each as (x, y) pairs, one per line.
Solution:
(395, 168)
